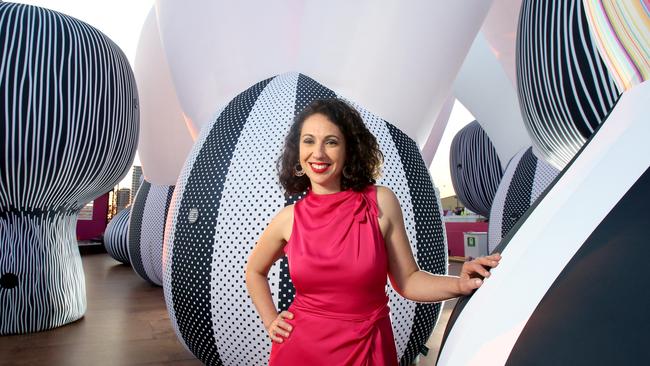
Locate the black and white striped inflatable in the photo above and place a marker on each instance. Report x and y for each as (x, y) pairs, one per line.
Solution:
(524, 180)
(116, 236)
(565, 90)
(147, 228)
(226, 195)
(475, 168)
(69, 131)
(569, 289)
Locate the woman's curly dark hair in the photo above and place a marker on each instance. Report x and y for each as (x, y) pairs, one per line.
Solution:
(363, 158)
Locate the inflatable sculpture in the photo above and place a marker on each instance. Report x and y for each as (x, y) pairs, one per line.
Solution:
(69, 129)
(116, 236)
(226, 195)
(524, 180)
(146, 230)
(475, 168)
(557, 289)
(563, 103)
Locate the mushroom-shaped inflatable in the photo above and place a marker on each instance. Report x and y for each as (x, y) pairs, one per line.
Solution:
(116, 236)
(524, 180)
(227, 194)
(386, 56)
(147, 229)
(69, 132)
(475, 168)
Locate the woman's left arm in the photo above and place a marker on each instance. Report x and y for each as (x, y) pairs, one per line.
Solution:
(405, 275)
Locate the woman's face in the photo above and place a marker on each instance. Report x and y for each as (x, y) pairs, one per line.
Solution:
(322, 153)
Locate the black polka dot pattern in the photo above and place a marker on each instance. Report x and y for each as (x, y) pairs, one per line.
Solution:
(135, 224)
(193, 243)
(429, 237)
(518, 196)
(308, 90)
(230, 185)
(525, 179)
(146, 230)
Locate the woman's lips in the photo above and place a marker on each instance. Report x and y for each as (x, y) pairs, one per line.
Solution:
(319, 168)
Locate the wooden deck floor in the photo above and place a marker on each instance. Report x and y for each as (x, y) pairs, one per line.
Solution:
(126, 324)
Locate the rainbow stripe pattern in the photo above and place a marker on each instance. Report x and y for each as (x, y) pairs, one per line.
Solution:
(621, 30)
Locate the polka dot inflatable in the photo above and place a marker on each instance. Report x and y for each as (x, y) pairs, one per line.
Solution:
(226, 195)
(524, 180)
(147, 228)
(565, 89)
(69, 132)
(475, 168)
(116, 236)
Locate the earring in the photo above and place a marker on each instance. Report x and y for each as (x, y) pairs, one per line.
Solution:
(297, 170)
(346, 172)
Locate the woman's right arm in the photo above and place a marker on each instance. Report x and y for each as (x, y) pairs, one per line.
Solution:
(268, 250)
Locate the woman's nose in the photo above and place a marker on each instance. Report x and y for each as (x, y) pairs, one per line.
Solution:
(319, 151)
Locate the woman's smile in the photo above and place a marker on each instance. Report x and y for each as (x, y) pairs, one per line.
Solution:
(319, 167)
(322, 153)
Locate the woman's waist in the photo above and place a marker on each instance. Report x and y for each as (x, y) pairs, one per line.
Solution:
(348, 310)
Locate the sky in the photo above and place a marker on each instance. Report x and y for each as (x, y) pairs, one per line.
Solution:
(122, 20)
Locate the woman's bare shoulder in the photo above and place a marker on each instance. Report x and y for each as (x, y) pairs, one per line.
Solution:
(385, 196)
(282, 223)
(387, 202)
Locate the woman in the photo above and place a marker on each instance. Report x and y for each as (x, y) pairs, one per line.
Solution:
(341, 240)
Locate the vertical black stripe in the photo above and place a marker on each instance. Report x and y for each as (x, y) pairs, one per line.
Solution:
(135, 229)
(307, 91)
(193, 253)
(428, 225)
(583, 318)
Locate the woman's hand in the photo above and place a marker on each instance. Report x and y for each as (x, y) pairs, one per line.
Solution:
(280, 328)
(472, 272)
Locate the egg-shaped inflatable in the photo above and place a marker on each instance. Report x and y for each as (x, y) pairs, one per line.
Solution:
(524, 180)
(227, 194)
(116, 236)
(475, 168)
(147, 229)
(69, 130)
(565, 89)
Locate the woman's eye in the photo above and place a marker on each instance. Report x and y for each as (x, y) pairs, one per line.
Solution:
(307, 141)
(332, 142)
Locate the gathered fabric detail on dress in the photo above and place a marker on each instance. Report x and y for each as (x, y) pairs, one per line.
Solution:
(338, 265)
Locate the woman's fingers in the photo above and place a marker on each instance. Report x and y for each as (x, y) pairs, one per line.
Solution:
(286, 314)
(280, 328)
(475, 267)
(490, 260)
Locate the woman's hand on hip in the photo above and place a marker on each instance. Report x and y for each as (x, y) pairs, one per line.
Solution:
(280, 328)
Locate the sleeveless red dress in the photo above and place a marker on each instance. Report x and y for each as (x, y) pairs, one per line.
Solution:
(338, 265)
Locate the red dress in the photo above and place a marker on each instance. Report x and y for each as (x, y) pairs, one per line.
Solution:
(338, 265)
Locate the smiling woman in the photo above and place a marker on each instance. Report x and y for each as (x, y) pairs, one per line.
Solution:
(316, 145)
(342, 241)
